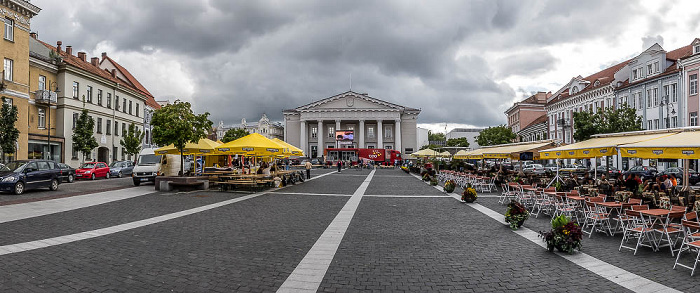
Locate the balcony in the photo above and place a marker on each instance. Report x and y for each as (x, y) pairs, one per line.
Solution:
(45, 97)
(564, 122)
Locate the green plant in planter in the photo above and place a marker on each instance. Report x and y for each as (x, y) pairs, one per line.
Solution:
(433, 182)
(565, 235)
(469, 194)
(449, 186)
(516, 214)
(558, 186)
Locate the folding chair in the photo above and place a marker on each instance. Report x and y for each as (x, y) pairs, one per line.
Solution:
(691, 241)
(638, 227)
(667, 230)
(596, 217)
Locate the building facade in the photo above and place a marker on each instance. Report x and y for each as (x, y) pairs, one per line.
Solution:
(690, 71)
(264, 127)
(15, 17)
(535, 131)
(469, 133)
(375, 123)
(43, 143)
(525, 112)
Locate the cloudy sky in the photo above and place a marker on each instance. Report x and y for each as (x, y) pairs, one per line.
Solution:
(462, 62)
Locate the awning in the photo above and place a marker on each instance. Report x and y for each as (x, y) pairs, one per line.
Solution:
(681, 145)
(596, 147)
(513, 151)
(203, 146)
(462, 154)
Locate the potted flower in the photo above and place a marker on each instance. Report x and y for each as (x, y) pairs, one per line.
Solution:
(405, 169)
(516, 214)
(565, 235)
(449, 186)
(469, 194)
(433, 181)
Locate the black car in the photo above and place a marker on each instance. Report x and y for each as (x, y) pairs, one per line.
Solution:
(693, 176)
(19, 176)
(644, 172)
(67, 173)
(612, 172)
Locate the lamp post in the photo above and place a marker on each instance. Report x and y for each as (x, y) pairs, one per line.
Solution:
(666, 102)
(52, 85)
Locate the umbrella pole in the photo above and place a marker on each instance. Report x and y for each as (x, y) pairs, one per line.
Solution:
(595, 168)
(686, 162)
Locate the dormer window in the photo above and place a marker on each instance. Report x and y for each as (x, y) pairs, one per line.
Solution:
(634, 74)
(696, 49)
(574, 90)
(596, 83)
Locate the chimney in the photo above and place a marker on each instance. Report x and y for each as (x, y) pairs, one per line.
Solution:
(69, 50)
(82, 56)
(33, 35)
(58, 46)
(95, 61)
(114, 72)
(104, 55)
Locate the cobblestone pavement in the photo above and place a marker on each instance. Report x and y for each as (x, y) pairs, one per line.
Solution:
(65, 189)
(425, 241)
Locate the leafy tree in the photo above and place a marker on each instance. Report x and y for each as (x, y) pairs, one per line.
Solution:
(234, 134)
(132, 140)
(8, 132)
(495, 135)
(436, 136)
(176, 124)
(431, 146)
(623, 119)
(83, 137)
(458, 142)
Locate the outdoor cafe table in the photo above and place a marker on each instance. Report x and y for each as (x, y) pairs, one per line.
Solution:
(617, 208)
(661, 219)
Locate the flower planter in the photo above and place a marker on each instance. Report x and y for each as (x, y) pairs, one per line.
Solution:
(469, 200)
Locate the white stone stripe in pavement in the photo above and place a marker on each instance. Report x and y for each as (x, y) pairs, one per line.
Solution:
(302, 193)
(307, 276)
(43, 243)
(40, 208)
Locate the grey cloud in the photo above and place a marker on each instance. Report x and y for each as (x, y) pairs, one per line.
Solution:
(531, 63)
(649, 41)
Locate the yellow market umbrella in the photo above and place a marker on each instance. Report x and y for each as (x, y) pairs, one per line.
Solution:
(203, 146)
(426, 153)
(445, 154)
(253, 144)
(461, 155)
(294, 150)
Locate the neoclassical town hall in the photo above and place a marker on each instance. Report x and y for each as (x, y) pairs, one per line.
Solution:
(375, 123)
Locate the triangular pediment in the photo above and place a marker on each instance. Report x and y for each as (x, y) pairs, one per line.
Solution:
(351, 100)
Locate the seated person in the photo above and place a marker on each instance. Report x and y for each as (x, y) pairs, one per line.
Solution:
(631, 184)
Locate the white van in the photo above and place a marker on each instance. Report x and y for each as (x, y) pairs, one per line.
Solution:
(147, 167)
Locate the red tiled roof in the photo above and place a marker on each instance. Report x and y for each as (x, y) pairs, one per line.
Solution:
(87, 66)
(150, 101)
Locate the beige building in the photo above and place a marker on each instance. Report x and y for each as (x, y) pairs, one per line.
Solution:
(264, 126)
(375, 123)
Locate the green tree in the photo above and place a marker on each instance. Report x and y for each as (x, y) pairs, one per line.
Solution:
(458, 142)
(176, 124)
(436, 136)
(8, 132)
(495, 135)
(83, 139)
(585, 125)
(234, 134)
(431, 146)
(132, 140)
(623, 119)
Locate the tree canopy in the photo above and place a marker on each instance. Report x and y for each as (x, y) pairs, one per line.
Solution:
(176, 124)
(234, 134)
(458, 142)
(83, 138)
(8, 132)
(623, 119)
(132, 140)
(438, 136)
(495, 135)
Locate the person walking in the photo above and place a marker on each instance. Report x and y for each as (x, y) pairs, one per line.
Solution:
(340, 164)
(307, 165)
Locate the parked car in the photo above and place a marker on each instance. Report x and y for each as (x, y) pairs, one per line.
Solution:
(147, 167)
(525, 164)
(573, 168)
(534, 169)
(693, 177)
(19, 176)
(67, 173)
(121, 168)
(644, 172)
(551, 168)
(612, 172)
(92, 170)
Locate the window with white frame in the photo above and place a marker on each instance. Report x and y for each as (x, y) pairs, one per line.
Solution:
(640, 105)
(331, 131)
(137, 109)
(693, 84)
(656, 123)
(116, 103)
(108, 127)
(370, 131)
(88, 94)
(667, 94)
(75, 119)
(693, 119)
(99, 124)
(9, 29)
(655, 96)
(42, 82)
(99, 97)
(649, 69)
(665, 123)
(656, 67)
(697, 49)
(7, 67)
(41, 118)
(674, 121)
(314, 132)
(649, 98)
(649, 124)
(633, 101)
(634, 74)
(674, 97)
(388, 131)
(76, 88)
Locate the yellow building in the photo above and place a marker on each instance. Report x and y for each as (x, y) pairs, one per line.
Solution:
(43, 94)
(15, 16)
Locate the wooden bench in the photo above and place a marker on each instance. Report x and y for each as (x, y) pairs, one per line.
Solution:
(179, 183)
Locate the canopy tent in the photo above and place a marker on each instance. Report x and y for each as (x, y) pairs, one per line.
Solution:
(203, 146)
(476, 154)
(253, 144)
(445, 154)
(429, 153)
(596, 147)
(681, 145)
(461, 155)
(512, 151)
(295, 151)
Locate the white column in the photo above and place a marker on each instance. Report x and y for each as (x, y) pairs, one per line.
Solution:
(320, 138)
(361, 135)
(380, 135)
(304, 145)
(337, 127)
(397, 136)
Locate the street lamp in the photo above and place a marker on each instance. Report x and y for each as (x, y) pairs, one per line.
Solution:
(54, 85)
(666, 102)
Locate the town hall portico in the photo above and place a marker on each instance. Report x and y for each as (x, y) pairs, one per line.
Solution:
(375, 123)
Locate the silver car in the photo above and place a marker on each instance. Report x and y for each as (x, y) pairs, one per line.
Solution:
(121, 168)
(534, 169)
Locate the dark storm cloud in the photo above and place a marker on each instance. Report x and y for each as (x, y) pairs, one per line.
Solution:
(252, 57)
(649, 41)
